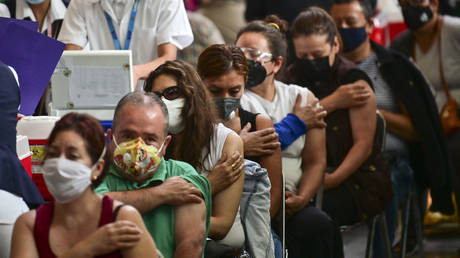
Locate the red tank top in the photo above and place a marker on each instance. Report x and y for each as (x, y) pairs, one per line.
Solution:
(43, 223)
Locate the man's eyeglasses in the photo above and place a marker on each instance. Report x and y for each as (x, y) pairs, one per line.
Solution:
(170, 93)
(257, 55)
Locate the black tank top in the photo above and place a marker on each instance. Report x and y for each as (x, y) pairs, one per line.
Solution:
(245, 118)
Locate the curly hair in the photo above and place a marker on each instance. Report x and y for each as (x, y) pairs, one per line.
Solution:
(198, 113)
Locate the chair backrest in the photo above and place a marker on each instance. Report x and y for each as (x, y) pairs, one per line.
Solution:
(380, 133)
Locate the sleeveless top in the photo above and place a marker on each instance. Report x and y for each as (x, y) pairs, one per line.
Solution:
(339, 137)
(235, 237)
(43, 223)
(277, 109)
(217, 145)
(245, 118)
(371, 191)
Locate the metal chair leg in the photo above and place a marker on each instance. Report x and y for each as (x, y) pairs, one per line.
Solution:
(406, 215)
(418, 224)
(370, 238)
(380, 218)
(386, 238)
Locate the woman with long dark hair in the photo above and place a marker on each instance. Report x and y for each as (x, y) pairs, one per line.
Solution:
(198, 139)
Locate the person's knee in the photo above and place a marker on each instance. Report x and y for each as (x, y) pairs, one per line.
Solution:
(317, 222)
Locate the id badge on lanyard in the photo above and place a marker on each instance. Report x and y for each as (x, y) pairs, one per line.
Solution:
(129, 35)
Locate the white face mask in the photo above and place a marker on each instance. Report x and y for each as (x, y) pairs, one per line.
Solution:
(175, 107)
(66, 179)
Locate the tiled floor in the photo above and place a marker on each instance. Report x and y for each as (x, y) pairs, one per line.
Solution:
(444, 242)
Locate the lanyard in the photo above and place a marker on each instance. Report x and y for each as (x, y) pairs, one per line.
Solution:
(116, 42)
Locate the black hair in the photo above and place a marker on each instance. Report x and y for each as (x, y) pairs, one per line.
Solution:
(141, 98)
(273, 29)
(365, 4)
(314, 21)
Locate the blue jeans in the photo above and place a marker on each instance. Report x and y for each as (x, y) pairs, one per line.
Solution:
(402, 177)
(278, 245)
(255, 210)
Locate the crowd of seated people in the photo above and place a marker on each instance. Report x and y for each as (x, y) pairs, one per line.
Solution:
(225, 155)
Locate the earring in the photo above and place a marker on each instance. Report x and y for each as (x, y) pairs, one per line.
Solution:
(94, 178)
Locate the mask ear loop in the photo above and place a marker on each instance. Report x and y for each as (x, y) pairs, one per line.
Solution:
(114, 140)
(161, 147)
(100, 158)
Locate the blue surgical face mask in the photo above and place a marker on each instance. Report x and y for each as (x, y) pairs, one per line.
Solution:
(352, 38)
(35, 1)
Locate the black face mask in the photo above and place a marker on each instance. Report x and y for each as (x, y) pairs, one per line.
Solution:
(256, 74)
(416, 16)
(314, 70)
(226, 107)
(352, 38)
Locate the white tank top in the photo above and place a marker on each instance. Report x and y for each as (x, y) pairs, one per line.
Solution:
(282, 104)
(235, 237)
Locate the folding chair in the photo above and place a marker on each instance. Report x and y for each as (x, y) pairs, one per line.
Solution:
(379, 141)
(411, 205)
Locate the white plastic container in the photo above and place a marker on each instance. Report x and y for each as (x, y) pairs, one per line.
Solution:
(24, 153)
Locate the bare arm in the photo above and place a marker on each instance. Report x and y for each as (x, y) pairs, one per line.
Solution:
(174, 191)
(190, 229)
(313, 163)
(363, 124)
(272, 163)
(259, 143)
(108, 238)
(313, 166)
(346, 96)
(72, 47)
(166, 52)
(312, 114)
(23, 242)
(400, 124)
(226, 203)
(145, 247)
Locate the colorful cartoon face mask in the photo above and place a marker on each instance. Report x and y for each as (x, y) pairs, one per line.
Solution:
(135, 159)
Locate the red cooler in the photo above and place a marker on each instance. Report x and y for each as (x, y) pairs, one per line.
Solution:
(37, 130)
